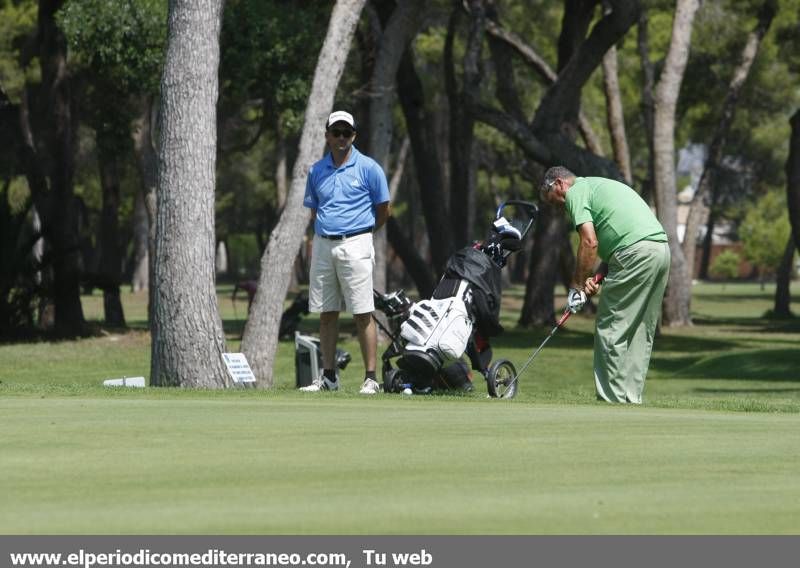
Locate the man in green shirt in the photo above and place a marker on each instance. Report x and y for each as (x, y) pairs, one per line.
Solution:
(616, 226)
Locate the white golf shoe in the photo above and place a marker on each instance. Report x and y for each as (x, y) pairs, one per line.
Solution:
(370, 386)
(321, 384)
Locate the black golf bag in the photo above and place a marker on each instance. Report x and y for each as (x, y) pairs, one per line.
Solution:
(431, 336)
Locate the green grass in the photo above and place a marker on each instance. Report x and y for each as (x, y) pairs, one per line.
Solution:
(714, 450)
(284, 464)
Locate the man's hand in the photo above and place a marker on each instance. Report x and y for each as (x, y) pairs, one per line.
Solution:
(591, 286)
(575, 300)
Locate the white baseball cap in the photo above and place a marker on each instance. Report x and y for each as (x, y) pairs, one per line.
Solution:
(340, 116)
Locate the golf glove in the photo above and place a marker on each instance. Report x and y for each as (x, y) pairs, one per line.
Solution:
(575, 300)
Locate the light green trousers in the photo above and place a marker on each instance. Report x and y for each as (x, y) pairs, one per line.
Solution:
(627, 316)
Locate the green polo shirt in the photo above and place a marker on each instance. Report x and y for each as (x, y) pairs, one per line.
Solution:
(619, 215)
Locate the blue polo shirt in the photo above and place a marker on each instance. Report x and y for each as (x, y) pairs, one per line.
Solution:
(345, 197)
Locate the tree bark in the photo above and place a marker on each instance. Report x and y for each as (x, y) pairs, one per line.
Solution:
(60, 222)
(463, 101)
(615, 116)
(678, 296)
(793, 179)
(187, 337)
(417, 268)
(563, 98)
(699, 207)
(782, 304)
(420, 125)
(783, 296)
(551, 229)
(537, 63)
(397, 34)
(110, 253)
(648, 102)
(147, 160)
(260, 339)
(140, 279)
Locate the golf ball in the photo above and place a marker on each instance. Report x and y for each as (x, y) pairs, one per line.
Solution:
(407, 391)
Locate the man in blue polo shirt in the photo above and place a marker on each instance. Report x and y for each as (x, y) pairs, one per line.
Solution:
(349, 199)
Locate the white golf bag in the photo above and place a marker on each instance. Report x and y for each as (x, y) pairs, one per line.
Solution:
(437, 331)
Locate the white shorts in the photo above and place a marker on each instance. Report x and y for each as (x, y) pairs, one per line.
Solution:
(341, 275)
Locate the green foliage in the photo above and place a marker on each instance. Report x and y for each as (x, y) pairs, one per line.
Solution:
(122, 41)
(17, 25)
(760, 129)
(269, 50)
(246, 193)
(725, 265)
(18, 288)
(243, 255)
(765, 230)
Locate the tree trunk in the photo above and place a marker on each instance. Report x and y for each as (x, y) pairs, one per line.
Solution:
(140, 280)
(793, 202)
(537, 63)
(783, 296)
(699, 207)
(793, 179)
(187, 336)
(417, 268)
(427, 162)
(615, 116)
(463, 101)
(281, 167)
(260, 339)
(62, 226)
(398, 33)
(708, 241)
(648, 102)
(678, 296)
(147, 160)
(537, 309)
(110, 253)
(562, 100)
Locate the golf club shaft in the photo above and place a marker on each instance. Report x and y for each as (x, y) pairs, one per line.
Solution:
(535, 353)
(564, 317)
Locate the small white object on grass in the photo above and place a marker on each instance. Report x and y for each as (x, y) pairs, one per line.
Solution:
(125, 382)
(407, 391)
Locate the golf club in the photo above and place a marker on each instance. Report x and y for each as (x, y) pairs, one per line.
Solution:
(564, 317)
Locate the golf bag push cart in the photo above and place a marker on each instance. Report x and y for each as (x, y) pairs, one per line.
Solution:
(430, 337)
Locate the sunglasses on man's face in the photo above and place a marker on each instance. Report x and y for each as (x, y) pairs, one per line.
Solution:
(339, 133)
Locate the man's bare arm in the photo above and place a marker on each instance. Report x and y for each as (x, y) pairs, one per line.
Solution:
(382, 212)
(587, 255)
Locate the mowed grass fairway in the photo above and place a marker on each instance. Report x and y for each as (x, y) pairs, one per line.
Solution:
(716, 448)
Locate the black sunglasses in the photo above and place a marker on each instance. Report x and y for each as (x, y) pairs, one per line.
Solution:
(339, 133)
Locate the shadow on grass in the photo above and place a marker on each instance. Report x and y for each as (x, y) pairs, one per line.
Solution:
(691, 344)
(532, 338)
(746, 391)
(671, 365)
(763, 365)
(791, 325)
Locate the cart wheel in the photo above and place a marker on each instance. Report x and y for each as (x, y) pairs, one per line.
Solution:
(500, 379)
(392, 381)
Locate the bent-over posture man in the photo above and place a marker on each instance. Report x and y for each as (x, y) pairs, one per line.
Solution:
(616, 225)
(349, 198)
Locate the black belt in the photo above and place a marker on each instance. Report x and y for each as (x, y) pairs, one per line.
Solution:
(348, 235)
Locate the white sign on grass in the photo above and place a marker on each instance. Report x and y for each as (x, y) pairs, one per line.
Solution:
(238, 368)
